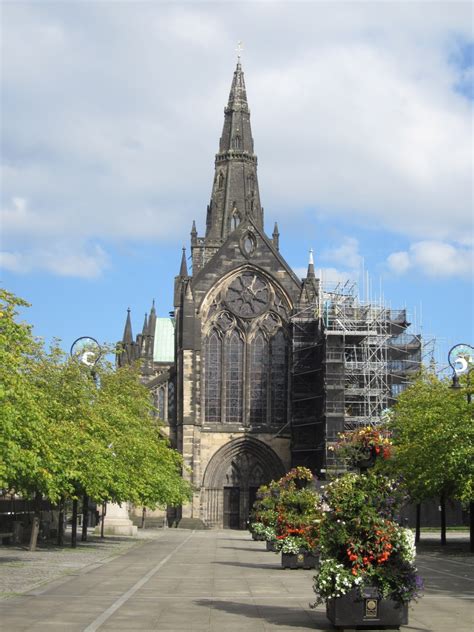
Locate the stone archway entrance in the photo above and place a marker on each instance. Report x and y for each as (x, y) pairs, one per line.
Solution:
(232, 478)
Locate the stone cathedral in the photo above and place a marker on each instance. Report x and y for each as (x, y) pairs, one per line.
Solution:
(222, 367)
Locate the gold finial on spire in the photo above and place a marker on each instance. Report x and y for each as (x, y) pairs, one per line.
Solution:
(239, 49)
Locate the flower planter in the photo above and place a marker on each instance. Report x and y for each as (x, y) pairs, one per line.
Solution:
(365, 608)
(271, 546)
(257, 536)
(303, 559)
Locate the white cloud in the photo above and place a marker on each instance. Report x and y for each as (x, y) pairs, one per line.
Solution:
(399, 262)
(347, 254)
(113, 138)
(434, 259)
(73, 262)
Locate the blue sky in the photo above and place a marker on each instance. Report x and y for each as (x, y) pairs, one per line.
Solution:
(111, 116)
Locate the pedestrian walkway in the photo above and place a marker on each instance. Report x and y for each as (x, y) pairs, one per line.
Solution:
(219, 581)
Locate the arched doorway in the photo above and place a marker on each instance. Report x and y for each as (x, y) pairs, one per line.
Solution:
(231, 480)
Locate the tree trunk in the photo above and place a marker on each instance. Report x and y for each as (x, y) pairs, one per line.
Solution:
(60, 538)
(471, 526)
(36, 522)
(143, 517)
(418, 523)
(85, 517)
(443, 519)
(74, 524)
(104, 511)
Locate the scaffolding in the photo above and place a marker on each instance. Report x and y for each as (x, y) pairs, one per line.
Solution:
(350, 360)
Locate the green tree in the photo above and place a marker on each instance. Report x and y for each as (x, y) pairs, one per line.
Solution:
(62, 437)
(433, 440)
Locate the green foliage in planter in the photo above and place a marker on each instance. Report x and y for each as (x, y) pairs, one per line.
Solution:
(360, 542)
(299, 516)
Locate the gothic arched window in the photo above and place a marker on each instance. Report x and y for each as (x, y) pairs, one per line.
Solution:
(278, 376)
(160, 403)
(235, 219)
(258, 379)
(234, 348)
(213, 368)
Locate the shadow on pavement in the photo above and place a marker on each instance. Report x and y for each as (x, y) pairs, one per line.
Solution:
(269, 567)
(275, 615)
(10, 560)
(241, 548)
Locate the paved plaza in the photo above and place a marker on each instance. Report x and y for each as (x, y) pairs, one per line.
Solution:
(173, 580)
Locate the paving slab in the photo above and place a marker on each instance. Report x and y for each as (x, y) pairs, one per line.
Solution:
(210, 581)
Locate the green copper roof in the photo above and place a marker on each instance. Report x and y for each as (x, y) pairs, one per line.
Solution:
(163, 350)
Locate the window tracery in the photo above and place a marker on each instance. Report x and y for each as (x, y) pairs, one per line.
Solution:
(213, 358)
(245, 368)
(234, 377)
(258, 379)
(279, 370)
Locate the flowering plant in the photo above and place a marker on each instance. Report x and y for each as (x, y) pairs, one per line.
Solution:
(299, 516)
(269, 533)
(264, 512)
(360, 542)
(296, 478)
(257, 527)
(363, 444)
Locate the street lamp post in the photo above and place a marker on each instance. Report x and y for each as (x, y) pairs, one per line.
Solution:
(461, 358)
(87, 351)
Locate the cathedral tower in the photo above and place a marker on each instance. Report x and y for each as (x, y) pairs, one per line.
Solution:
(233, 337)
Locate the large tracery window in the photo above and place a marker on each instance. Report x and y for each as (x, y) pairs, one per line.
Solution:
(245, 353)
(279, 369)
(213, 359)
(234, 348)
(258, 379)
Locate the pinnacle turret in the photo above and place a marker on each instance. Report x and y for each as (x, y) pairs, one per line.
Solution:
(276, 237)
(310, 274)
(183, 271)
(127, 332)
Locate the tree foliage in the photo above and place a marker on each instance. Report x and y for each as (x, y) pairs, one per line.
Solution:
(64, 437)
(433, 436)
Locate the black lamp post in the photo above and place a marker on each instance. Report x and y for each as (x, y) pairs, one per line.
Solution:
(87, 351)
(460, 357)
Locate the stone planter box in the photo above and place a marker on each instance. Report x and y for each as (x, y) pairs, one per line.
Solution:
(366, 609)
(271, 546)
(303, 559)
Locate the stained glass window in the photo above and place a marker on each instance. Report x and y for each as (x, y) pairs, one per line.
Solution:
(258, 379)
(233, 377)
(279, 372)
(213, 377)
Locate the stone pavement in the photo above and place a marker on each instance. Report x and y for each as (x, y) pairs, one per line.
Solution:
(216, 581)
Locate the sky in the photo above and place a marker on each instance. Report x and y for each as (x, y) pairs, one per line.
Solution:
(111, 114)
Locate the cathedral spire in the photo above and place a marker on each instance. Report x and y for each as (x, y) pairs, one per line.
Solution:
(235, 194)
